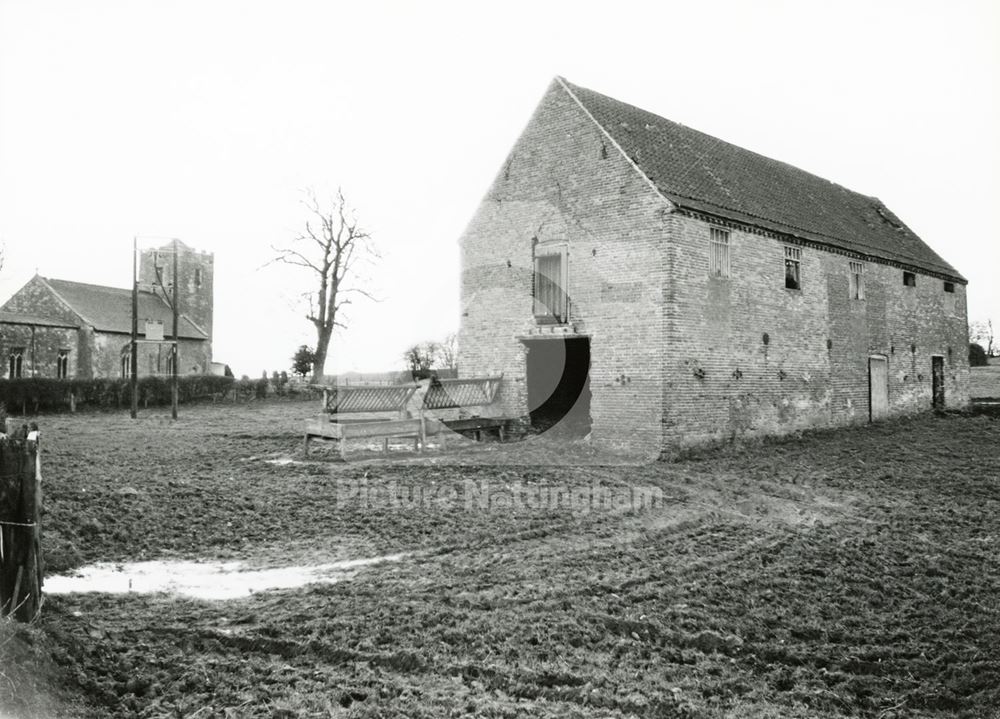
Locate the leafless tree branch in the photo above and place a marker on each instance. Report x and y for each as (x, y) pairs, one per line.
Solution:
(332, 247)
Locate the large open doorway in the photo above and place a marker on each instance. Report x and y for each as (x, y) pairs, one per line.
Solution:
(558, 379)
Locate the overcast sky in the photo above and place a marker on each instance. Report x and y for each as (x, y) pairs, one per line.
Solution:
(205, 120)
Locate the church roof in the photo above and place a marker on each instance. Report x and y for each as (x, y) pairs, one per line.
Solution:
(704, 174)
(109, 309)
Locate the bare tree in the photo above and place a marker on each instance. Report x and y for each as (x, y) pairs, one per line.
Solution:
(420, 358)
(333, 247)
(981, 332)
(447, 351)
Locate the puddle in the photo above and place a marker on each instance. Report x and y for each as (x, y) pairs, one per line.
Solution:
(202, 580)
(284, 461)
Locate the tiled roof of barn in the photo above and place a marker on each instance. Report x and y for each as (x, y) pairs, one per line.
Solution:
(702, 173)
(109, 309)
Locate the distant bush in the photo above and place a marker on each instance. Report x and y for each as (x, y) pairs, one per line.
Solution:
(46, 394)
(246, 388)
(279, 383)
(303, 360)
(977, 355)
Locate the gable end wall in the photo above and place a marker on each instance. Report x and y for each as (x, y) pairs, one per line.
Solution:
(37, 298)
(565, 182)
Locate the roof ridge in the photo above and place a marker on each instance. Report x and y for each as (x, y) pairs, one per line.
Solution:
(714, 138)
(685, 165)
(86, 284)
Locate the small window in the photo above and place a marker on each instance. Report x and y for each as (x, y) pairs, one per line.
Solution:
(197, 277)
(793, 273)
(949, 287)
(857, 280)
(718, 253)
(909, 279)
(62, 364)
(15, 362)
(127, 363)
(551, 302)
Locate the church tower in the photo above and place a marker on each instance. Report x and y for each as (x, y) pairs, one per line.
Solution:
(195, 275)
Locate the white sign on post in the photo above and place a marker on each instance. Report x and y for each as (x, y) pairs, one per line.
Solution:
(154, 330)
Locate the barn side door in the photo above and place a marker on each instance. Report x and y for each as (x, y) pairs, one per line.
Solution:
(937, 381)
(878, 388)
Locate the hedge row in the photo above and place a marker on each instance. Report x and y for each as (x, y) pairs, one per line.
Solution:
(46, 394)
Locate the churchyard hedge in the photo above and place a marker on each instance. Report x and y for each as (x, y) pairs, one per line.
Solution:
(34, 394)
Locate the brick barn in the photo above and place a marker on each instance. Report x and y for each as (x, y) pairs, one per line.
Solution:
(656, 287)
(64, 329)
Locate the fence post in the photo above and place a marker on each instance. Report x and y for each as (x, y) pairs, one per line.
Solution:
(20, 514)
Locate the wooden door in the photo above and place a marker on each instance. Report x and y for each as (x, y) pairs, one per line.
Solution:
(937, 381)
(878, 388)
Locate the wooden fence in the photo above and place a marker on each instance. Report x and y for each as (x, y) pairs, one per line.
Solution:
(20, 526)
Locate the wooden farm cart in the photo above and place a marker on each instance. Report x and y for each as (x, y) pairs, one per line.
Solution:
(470, 393)
(390, 401)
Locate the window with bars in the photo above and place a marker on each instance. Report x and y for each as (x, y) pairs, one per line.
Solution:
(857, 283)
(127, 363)
(15, 362)
(550, 279)
(62, 364)
(718, 253)
(793, 268)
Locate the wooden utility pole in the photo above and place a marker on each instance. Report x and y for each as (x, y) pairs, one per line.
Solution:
(134, 353)
(177, 349)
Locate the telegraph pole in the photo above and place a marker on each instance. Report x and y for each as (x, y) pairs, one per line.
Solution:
(134, 350)
(177, 349)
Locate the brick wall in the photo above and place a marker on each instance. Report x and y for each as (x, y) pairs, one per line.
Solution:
(152, 358)
(813, 370)
(565, 183)
(91, 354)
(40, 347)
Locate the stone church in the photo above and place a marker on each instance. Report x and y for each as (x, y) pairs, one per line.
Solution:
(65, 329)
(657, 287)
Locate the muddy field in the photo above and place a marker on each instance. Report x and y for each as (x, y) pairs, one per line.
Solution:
(840, 574)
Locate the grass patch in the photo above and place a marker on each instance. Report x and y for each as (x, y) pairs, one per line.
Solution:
(984, 381)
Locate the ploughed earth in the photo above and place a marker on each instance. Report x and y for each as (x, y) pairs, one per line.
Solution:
(203, 569)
